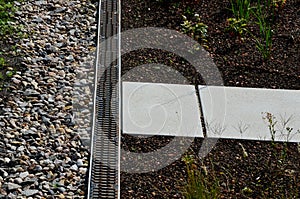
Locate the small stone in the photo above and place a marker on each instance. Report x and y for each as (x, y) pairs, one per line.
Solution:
(6, 160)
(35, 84)
(61, 130)
(24, 174)
(46, 120)
(12, 186)
(30, 92)
(52, 74)
(21, 148)
(46, 186)
(38, 20)
(38, 168)
(59, 149)
(30, 192)
(15, 80)
(62, 9)
(61, 189)
(74, 167)
(79, 162)
(38, 3)
(59, 97)
(25, 83)
(70, 58)
(18, 180)
(67, 160)
(82, 170)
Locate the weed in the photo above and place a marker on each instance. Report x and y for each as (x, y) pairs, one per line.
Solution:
(264, 15)
(264, 42)
(7, 29)
(198, 185)
(279, 4)
(241, 9)
(188, 11)
(271, 120)
(285, 131)
(6, 10)
(236, 26)
(195, 28)
(10, 73)
(2, 62)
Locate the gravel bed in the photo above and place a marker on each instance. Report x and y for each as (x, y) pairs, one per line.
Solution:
(45, 118)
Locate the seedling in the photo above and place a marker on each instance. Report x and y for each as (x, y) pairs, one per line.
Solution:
(264, 42)
(236, 26)
(198, 185)
(271, 120)
(241, 9)
(2, 62)
(195, 28)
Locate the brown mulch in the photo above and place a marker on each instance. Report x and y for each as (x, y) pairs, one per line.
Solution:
(270, 170)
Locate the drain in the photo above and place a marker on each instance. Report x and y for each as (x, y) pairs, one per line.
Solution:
(104, 162)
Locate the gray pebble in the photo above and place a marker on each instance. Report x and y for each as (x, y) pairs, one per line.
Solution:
(74, 167)
(13, 186)
(24, 174)
(30, 192)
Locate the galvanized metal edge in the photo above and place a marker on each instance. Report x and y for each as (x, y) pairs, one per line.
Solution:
(120, 101)
(94, 104)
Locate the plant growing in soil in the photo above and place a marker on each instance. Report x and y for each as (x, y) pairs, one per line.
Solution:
(6, 9)
(195, 28)
(198, 185)
(236, 26)
(265, 18)
(270, 119)
(7, 29)
(285, 132)
(2, 62)
(241, 9)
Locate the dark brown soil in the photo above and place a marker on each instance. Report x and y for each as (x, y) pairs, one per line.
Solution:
(13, 63)
(265, 173)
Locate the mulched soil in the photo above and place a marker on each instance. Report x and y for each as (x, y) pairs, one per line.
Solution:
(13, 63)
(264, 173)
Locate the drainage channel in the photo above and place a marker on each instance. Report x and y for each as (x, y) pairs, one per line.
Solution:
(104, 162)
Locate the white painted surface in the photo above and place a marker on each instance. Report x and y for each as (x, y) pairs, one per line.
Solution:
(244, 111)
(161, 109)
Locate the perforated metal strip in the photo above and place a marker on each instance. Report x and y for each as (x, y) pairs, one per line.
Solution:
(103, 174)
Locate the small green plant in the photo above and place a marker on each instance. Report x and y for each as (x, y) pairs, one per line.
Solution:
(188, 11)
(271, 121)
(285, 131)
(264, 42)
(195, 28)
(198, 186)
(241, 9)
(6, 13)
(10, 73)
(263, 14)
(7, 29)
(238, 26)
(279, 4)
(2, 62)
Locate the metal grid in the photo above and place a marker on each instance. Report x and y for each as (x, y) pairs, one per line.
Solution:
(104, 175)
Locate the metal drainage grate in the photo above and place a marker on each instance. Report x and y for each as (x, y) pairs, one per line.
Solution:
(104, 163)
